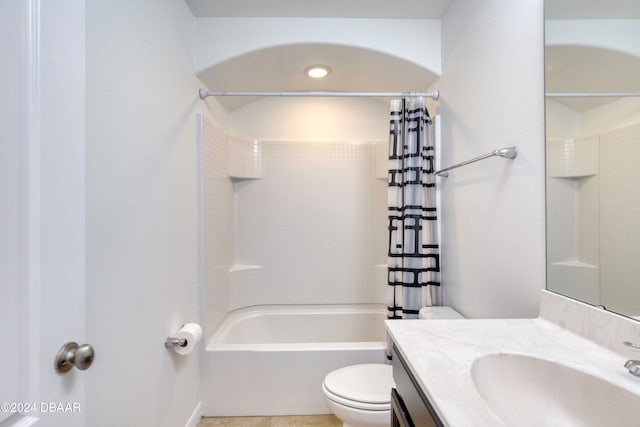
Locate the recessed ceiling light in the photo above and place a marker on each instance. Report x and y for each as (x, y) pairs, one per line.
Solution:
(317, 71)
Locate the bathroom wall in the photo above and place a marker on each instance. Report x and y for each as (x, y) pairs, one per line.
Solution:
(616, 35)
(311, 229)
(588, 230)
(493, 253)
(141, 211)
(294, 204)
(492, 89)
(291, 119)
(561, 121)
(573, 217)
(615, 115)
(311, 226)
(397, 37)
(593, 204)
(619, 213)
(598, 202)
(217, 223)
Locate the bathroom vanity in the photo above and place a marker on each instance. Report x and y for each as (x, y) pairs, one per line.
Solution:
(409, 405)
(564, 368)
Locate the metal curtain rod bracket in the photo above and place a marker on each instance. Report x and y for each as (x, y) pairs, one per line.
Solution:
(203, 93)
(506, 152)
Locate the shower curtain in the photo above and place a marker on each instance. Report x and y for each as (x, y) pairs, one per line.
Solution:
(414, 255)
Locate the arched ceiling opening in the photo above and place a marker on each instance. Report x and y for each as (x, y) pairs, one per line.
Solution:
(589, 69)
(281, 68)
(396, 9)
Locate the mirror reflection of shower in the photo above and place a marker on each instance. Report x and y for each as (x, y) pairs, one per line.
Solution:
(592, 60)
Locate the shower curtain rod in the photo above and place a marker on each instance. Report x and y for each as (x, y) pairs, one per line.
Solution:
(506, 152)
(434, 95)
(590, 95)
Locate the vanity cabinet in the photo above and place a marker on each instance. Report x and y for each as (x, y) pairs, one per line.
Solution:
(409, 405)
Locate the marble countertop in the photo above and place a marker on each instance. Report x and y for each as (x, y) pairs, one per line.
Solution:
(440, 354)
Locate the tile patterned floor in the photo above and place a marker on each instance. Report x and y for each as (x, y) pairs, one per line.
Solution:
(285, 421)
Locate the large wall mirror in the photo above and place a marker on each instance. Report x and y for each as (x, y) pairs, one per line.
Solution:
(592, 84)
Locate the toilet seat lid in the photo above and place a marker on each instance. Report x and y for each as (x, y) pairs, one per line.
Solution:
(368, 383)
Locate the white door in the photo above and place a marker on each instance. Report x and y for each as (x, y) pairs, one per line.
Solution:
(11, 321)
(42, 209)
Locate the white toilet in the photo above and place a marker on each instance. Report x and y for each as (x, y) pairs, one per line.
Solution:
(360, 395)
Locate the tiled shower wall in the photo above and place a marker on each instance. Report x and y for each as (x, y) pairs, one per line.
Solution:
(313, 226)
(295, 222)
(619, 213)
(594, 202)
(217, 222)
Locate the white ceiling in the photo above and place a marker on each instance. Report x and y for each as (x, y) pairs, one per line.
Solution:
(398, 9)
(280, 69)
(393, 9)
(589, 69)
(592, 9)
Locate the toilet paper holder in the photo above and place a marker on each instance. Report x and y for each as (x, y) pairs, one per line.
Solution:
(185, 339)
(175, 342)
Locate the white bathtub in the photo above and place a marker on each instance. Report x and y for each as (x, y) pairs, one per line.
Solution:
(271, 360)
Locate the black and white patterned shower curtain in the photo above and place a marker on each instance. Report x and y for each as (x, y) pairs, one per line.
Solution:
(414, 255)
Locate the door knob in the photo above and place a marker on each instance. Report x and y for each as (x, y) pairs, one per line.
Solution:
(71, 354)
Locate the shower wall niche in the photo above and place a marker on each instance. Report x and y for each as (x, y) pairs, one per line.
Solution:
(290, 222)
(593, 204)
(573, 217)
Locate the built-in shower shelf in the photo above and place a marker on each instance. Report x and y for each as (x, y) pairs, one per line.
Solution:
(573, 177)
(572, 157)
(242, 267)
(576, 278)
(245, 178)
(245, 159)
(244, 285)
(574, 263)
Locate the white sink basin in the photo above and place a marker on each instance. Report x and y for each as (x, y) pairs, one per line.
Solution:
(527, 391)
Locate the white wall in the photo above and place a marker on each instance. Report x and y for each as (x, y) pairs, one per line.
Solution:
(298, 191)
(619, 213)
(493, 211)
(396, 37)
(311, 230)
(564, 122)
(615, 115)
(217, 223)
(295, 119)
(617, 34)
(590, 219)
(561, 121)
(141, 211)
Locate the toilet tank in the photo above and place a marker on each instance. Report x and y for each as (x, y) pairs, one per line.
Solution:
(439, 312)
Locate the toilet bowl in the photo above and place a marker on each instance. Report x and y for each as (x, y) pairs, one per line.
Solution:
(360, 395)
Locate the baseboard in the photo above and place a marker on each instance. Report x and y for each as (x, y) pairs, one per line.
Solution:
(195, 416)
